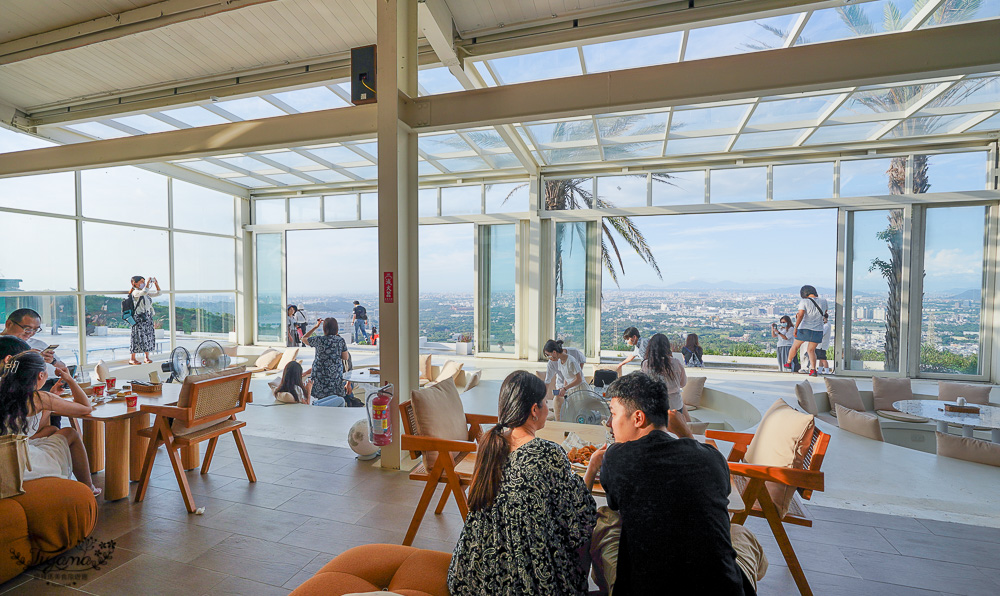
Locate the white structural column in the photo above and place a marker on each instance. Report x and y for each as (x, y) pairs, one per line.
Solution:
(397, 208)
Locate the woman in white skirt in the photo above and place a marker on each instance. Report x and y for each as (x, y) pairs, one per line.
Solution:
(24, 409)
(143, 333)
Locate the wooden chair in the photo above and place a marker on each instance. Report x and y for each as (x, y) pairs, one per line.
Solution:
(454, 472)
(750, 480)
(207, 411)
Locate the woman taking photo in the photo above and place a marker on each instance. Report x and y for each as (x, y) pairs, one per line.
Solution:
(24, 409)
(569, 369)
(328, 366)
(143, 333)
(530, 517)
(661, 364)
(693, 354)
(785, 333)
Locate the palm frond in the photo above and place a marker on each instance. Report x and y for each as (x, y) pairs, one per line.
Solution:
(627, 229)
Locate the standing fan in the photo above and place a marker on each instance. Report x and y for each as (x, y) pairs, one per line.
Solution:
(584, 407)
(178, 365)
(209, 357)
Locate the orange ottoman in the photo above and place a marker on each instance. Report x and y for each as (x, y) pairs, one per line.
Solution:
(374, 567)
(51, 517)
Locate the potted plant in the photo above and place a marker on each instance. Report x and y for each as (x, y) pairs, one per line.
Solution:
(463, 347)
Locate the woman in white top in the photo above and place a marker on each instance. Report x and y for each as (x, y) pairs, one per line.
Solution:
(143, 333)
(569, 369)
(24, 409)
(785, 333)
(808, 326)
(661, 364)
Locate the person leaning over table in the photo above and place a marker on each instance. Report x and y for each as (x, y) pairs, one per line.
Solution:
(530, 517)
(667, 519)
(639, 345)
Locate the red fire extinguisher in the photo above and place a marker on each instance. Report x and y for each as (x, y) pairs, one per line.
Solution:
(379, 425)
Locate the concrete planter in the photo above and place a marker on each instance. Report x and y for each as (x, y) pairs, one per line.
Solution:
(463, 348)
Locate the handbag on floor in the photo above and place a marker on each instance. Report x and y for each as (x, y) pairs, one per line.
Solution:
(13, 462)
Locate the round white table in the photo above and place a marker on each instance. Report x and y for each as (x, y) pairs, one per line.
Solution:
(988, 416)
(362, 376)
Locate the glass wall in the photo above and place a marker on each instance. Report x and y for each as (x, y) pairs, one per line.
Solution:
(109, 336)
(499, 275)
(270, 315)
(199, 317)
(571, 284)
(951, 325)
(874, 302)
(60, 324)
(447, 282)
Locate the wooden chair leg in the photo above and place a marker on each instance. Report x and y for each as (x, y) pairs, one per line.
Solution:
(147, 466)
(244, 455)
(425, 500)
(209, 452)
(781, 537)
(444, 499)
(456, 488)
(175, 460)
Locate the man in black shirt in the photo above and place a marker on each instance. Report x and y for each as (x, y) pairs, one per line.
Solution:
(672, 496)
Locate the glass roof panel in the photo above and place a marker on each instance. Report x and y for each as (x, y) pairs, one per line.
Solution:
(981, 90)
(98, 130)
(337, 155)
(579, 154)
(437, 80)
(366, 172)
(464, 164)
(844, 133)
(790, 111)
(503, 161)
(484, 72)
(207, 168)
(775, 138)
(312, 99)
(550, 64)
(633, 53)
(146, 124)
(632, 150)
(246, 163)
(442, 144)
(856, 20)
(738, 38)
(425, 167)
(563, 132)
(292, 160)
(251, 182)
(930, 125)
(633, 125)
(250, 108)
(991, 123)
(951, 13)
(697, 145)
(370, 148)
(487, 140)
(329, 176)
(876, 103)
(707, 121)
(195, 116)
(289, 179)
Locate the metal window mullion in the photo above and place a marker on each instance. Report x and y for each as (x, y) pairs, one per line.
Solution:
(914, 336)
(836, 178)
(172, 316)
(649, 189)
(769, 195)
(284, 288)
(905, 291)
(990, 307)
(708, 186)
(845, 285)
(908, 184)
(81, 297)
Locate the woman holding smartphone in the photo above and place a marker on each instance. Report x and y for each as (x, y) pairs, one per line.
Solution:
(143, 333)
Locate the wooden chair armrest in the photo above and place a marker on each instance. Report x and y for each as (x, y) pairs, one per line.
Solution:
(480, 419)
(807, 479)
(742, 439)
(169, 411)
(419, 443)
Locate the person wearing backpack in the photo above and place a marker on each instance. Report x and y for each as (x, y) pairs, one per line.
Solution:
(360, 317)
(143, 334)
(808, 326)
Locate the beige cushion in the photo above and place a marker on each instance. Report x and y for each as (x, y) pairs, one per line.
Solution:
(844, 392)
(448, 371)
(691, 393)
(698, 428)
(806, 398)
(974, 394)
(266, 359)
(859, 423)
(781, 440)
(900, 416)
(424, 365)
(102, 371)
(888, 391)
(184, 398)
(969, 449)
(287, 357)
(440, 414)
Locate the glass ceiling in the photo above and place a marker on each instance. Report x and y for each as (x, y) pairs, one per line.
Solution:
(943, 106)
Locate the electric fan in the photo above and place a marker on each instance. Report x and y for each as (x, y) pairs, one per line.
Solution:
(209, 357)
(584, 407)
(177, 365)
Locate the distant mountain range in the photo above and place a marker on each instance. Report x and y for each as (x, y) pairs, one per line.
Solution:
(698, 285)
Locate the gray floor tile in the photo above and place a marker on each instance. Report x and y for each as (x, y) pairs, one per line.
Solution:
(256, 493)
(170, 505)
(237, 586)
(313, 461)
(336, 537)
(319, 481)
(249, 520)
(39, 587)
(927, 574)
(982, 533)
(266, 572)
(297, 580)
(396, 518)
(119, 557)
(813, 556)
(779, 581)
(266, 550)
(343, 508)
(942, 548)
(169, 539)
(200, 484)
(15, 582)
(865, 518)
(840, 534)
(264, 472)
(152, 576)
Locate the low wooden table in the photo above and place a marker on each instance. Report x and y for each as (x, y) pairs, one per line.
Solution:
(988, 416)
(596, 434)
(123, 449)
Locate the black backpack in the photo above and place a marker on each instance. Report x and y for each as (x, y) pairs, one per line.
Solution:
(361, 313)
(128, 310)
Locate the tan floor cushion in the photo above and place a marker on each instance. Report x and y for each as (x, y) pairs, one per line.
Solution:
(267, 359)
(844, 392)
(969, 449)
(806, 398)
(691, 393)
(781, 440)
(900, 416)
(888, 391)
(859, 423)
(974, 394)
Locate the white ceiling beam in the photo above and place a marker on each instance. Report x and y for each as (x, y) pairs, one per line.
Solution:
(830, 111)
(114, 26)
(796, 30)
(916, 107)
(922, 16)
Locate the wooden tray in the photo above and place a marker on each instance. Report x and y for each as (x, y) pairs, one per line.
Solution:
(155, 388)
(961, 409)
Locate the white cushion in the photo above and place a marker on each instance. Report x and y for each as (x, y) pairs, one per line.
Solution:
(859, 423)
(806, 398)
(781, 440)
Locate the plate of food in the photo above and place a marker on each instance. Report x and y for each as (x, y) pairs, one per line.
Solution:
(579, 457)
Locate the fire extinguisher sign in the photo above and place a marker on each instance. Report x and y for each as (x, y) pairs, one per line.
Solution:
(388, 289)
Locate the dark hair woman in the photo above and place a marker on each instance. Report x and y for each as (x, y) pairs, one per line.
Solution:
(693, 354)
(24, 409)
(292, 389)
(661, 364)
(525, 502)
(143, 334)
(328, 366)
(785, 332)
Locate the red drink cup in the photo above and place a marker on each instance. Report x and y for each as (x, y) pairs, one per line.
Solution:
(110, 382)
(99, 390)
(131, 400)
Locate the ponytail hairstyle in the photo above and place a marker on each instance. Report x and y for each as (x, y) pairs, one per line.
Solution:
(691, 342)
(659, 356)
(553, 346)
(520, 391)
(17, 386)
(292, 378)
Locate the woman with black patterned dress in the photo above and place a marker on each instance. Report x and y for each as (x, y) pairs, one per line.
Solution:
(530, 517)
(143, 339)
(328, 366)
